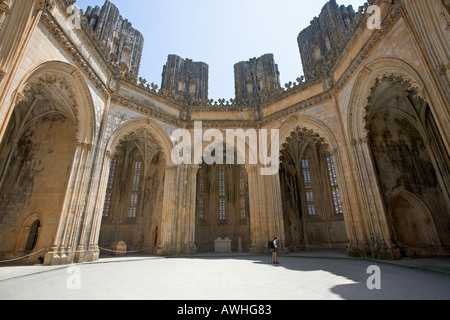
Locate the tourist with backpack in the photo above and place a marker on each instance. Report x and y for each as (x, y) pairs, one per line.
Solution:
(273, 245)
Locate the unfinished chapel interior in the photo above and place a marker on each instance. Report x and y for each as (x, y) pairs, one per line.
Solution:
(85, 142)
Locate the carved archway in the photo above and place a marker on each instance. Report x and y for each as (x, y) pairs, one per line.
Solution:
(30, 234)
(407, 159)
(312, 200)
(49, 132)
(136, 161)
(142, 126)
(413, 225)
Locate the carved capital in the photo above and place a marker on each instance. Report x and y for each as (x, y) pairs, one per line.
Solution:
(5, 5)
(109, 155)
(45, 4)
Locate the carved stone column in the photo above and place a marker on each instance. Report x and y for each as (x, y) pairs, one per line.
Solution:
(275, 209)
(191, 206)
(4, 7)
(265, 204)
(377, 240)
(178, 220)
(66, 237)
(92, 252)
(167, 223)
(78, 205)
(256, 244)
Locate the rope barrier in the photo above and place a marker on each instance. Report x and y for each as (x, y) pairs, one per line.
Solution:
(29, 255)
(145, 249)
(423, 251)
(128, 252)
(45, 249)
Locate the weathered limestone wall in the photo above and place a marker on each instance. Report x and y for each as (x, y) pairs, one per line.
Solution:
(185, 78)
(123, 43)
(68, 162)
(255, 75)
(35, 183)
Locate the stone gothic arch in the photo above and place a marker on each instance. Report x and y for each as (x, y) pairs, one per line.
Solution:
(313, 204)
(391, 91)
(142, 125)
(222, 205)
(136, 140)
(408, 212)
(134, 189)
(24, 247)
(71, 85)
(45, 153)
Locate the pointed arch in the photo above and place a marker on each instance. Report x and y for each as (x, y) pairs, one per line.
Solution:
(306, 179)
(309, 123)
(146, 125)
(23, 244)
(366, 80)
(80, 96)
(421, 218)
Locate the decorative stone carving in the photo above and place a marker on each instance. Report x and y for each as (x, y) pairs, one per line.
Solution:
(121, 41)
(255, 78)
(4, 7)
(185, 78)
(322, 41)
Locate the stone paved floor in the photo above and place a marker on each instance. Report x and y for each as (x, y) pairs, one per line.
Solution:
(309, 276)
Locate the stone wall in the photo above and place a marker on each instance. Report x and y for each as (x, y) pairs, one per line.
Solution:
(92, 111)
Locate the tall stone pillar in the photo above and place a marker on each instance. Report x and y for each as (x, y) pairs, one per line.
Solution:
(92, 252)
(276, 221)
(254, 194)
(168, 216)
(178, 219)
(266, 213)
(67, 234)
(376, 241)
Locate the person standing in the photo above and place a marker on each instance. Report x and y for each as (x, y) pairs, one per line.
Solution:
(275, 251)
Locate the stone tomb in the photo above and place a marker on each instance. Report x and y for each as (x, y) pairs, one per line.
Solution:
(222, 245)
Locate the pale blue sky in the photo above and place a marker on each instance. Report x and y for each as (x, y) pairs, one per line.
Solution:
(220, 33)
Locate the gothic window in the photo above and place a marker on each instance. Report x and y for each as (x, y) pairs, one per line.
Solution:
(316, 54)
(334, 184)
(135, 188)
(249, 85)
(181, 85)
(192, 87)
(109, 190)
(201, 201)
(33, 236)
(308, 186)
(222, 194)
(326, 39)
(243, 194)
